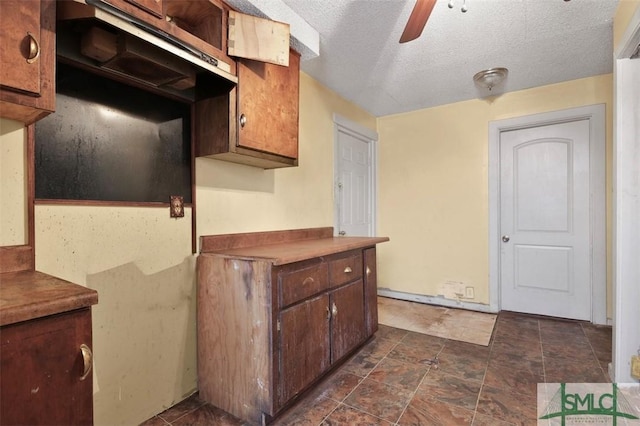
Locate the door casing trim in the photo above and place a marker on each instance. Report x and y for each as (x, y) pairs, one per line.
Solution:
(597, 200)
(342, 124)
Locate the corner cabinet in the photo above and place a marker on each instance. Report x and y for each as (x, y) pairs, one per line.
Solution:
(27, 58)
(273, 318)
(45, 351)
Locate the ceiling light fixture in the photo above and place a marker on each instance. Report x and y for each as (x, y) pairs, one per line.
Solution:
(464, 7)
(491, 77)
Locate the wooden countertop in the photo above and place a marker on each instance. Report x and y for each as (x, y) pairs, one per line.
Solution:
(27, 295)
(294, 251)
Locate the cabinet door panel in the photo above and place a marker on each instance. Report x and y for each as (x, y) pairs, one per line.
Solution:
(347, 319)
(41, 366)
(268, 101)
(20, 23)
(370, 292)
(304, 345)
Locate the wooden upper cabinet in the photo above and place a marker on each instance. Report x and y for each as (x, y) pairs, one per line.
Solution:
(20, 21)
(27, 58)
(268, 106)
(153, 7)
(256, 123)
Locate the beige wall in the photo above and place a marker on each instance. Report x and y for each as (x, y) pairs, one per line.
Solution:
(13, 209)
(624, 13)
(433, 185)
(139, 260)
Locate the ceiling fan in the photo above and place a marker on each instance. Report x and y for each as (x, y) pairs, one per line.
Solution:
(417, 20)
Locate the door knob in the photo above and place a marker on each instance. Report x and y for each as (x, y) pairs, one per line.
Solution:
(342, 233)
(505, 238)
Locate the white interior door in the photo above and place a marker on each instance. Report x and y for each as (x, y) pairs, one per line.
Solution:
(354, 179)
(545, 220)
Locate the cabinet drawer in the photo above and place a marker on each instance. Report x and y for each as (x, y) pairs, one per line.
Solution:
(300, 284)
(345, 269)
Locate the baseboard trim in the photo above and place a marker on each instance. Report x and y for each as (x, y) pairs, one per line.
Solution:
(436, 300)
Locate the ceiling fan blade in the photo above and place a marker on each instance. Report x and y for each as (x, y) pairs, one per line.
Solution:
(417, 20)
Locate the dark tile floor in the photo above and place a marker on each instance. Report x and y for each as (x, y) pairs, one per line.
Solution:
(390, 382)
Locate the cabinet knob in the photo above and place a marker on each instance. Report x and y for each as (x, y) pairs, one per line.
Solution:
(87, 360)
(243, 120)
(34, 49)
(368, 271)
(348, 270)
(334, 309)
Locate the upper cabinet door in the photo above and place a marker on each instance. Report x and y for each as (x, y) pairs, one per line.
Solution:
(20, 46)
(260, 39)
(268, 106)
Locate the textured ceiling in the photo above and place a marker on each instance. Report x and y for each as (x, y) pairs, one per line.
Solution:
(540, 42)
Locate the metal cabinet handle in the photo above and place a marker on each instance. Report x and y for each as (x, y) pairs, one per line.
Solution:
(308, 280)
(505, 238)
(243, 120)
(328, 313)
(368, 271)
(334, 309)
(348, 270)
(87, 360)
(34, 49)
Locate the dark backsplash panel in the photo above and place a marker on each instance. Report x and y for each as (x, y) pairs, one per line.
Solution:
(108, 141)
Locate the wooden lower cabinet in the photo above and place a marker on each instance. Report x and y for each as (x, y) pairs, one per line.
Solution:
(268, 331)
(304, 346)
(42, 369)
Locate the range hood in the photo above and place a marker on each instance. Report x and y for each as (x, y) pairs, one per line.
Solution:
(95, 34)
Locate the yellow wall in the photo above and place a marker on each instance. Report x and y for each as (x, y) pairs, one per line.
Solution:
(433, 185)
(236, 198)
(624, 13)
(139, 260)
(13, 209)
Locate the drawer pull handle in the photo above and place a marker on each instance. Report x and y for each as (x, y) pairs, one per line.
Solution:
(368, 271)
(348, 270)
(87, 360)
(34, 49)
(308, 280)
(334, 309)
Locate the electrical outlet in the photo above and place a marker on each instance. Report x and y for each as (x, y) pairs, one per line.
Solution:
(176, 206)
(469, 293)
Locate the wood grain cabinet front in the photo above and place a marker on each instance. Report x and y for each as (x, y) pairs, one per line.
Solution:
(256, 123)
(27, 59)
(268, 331)
(45, 371)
